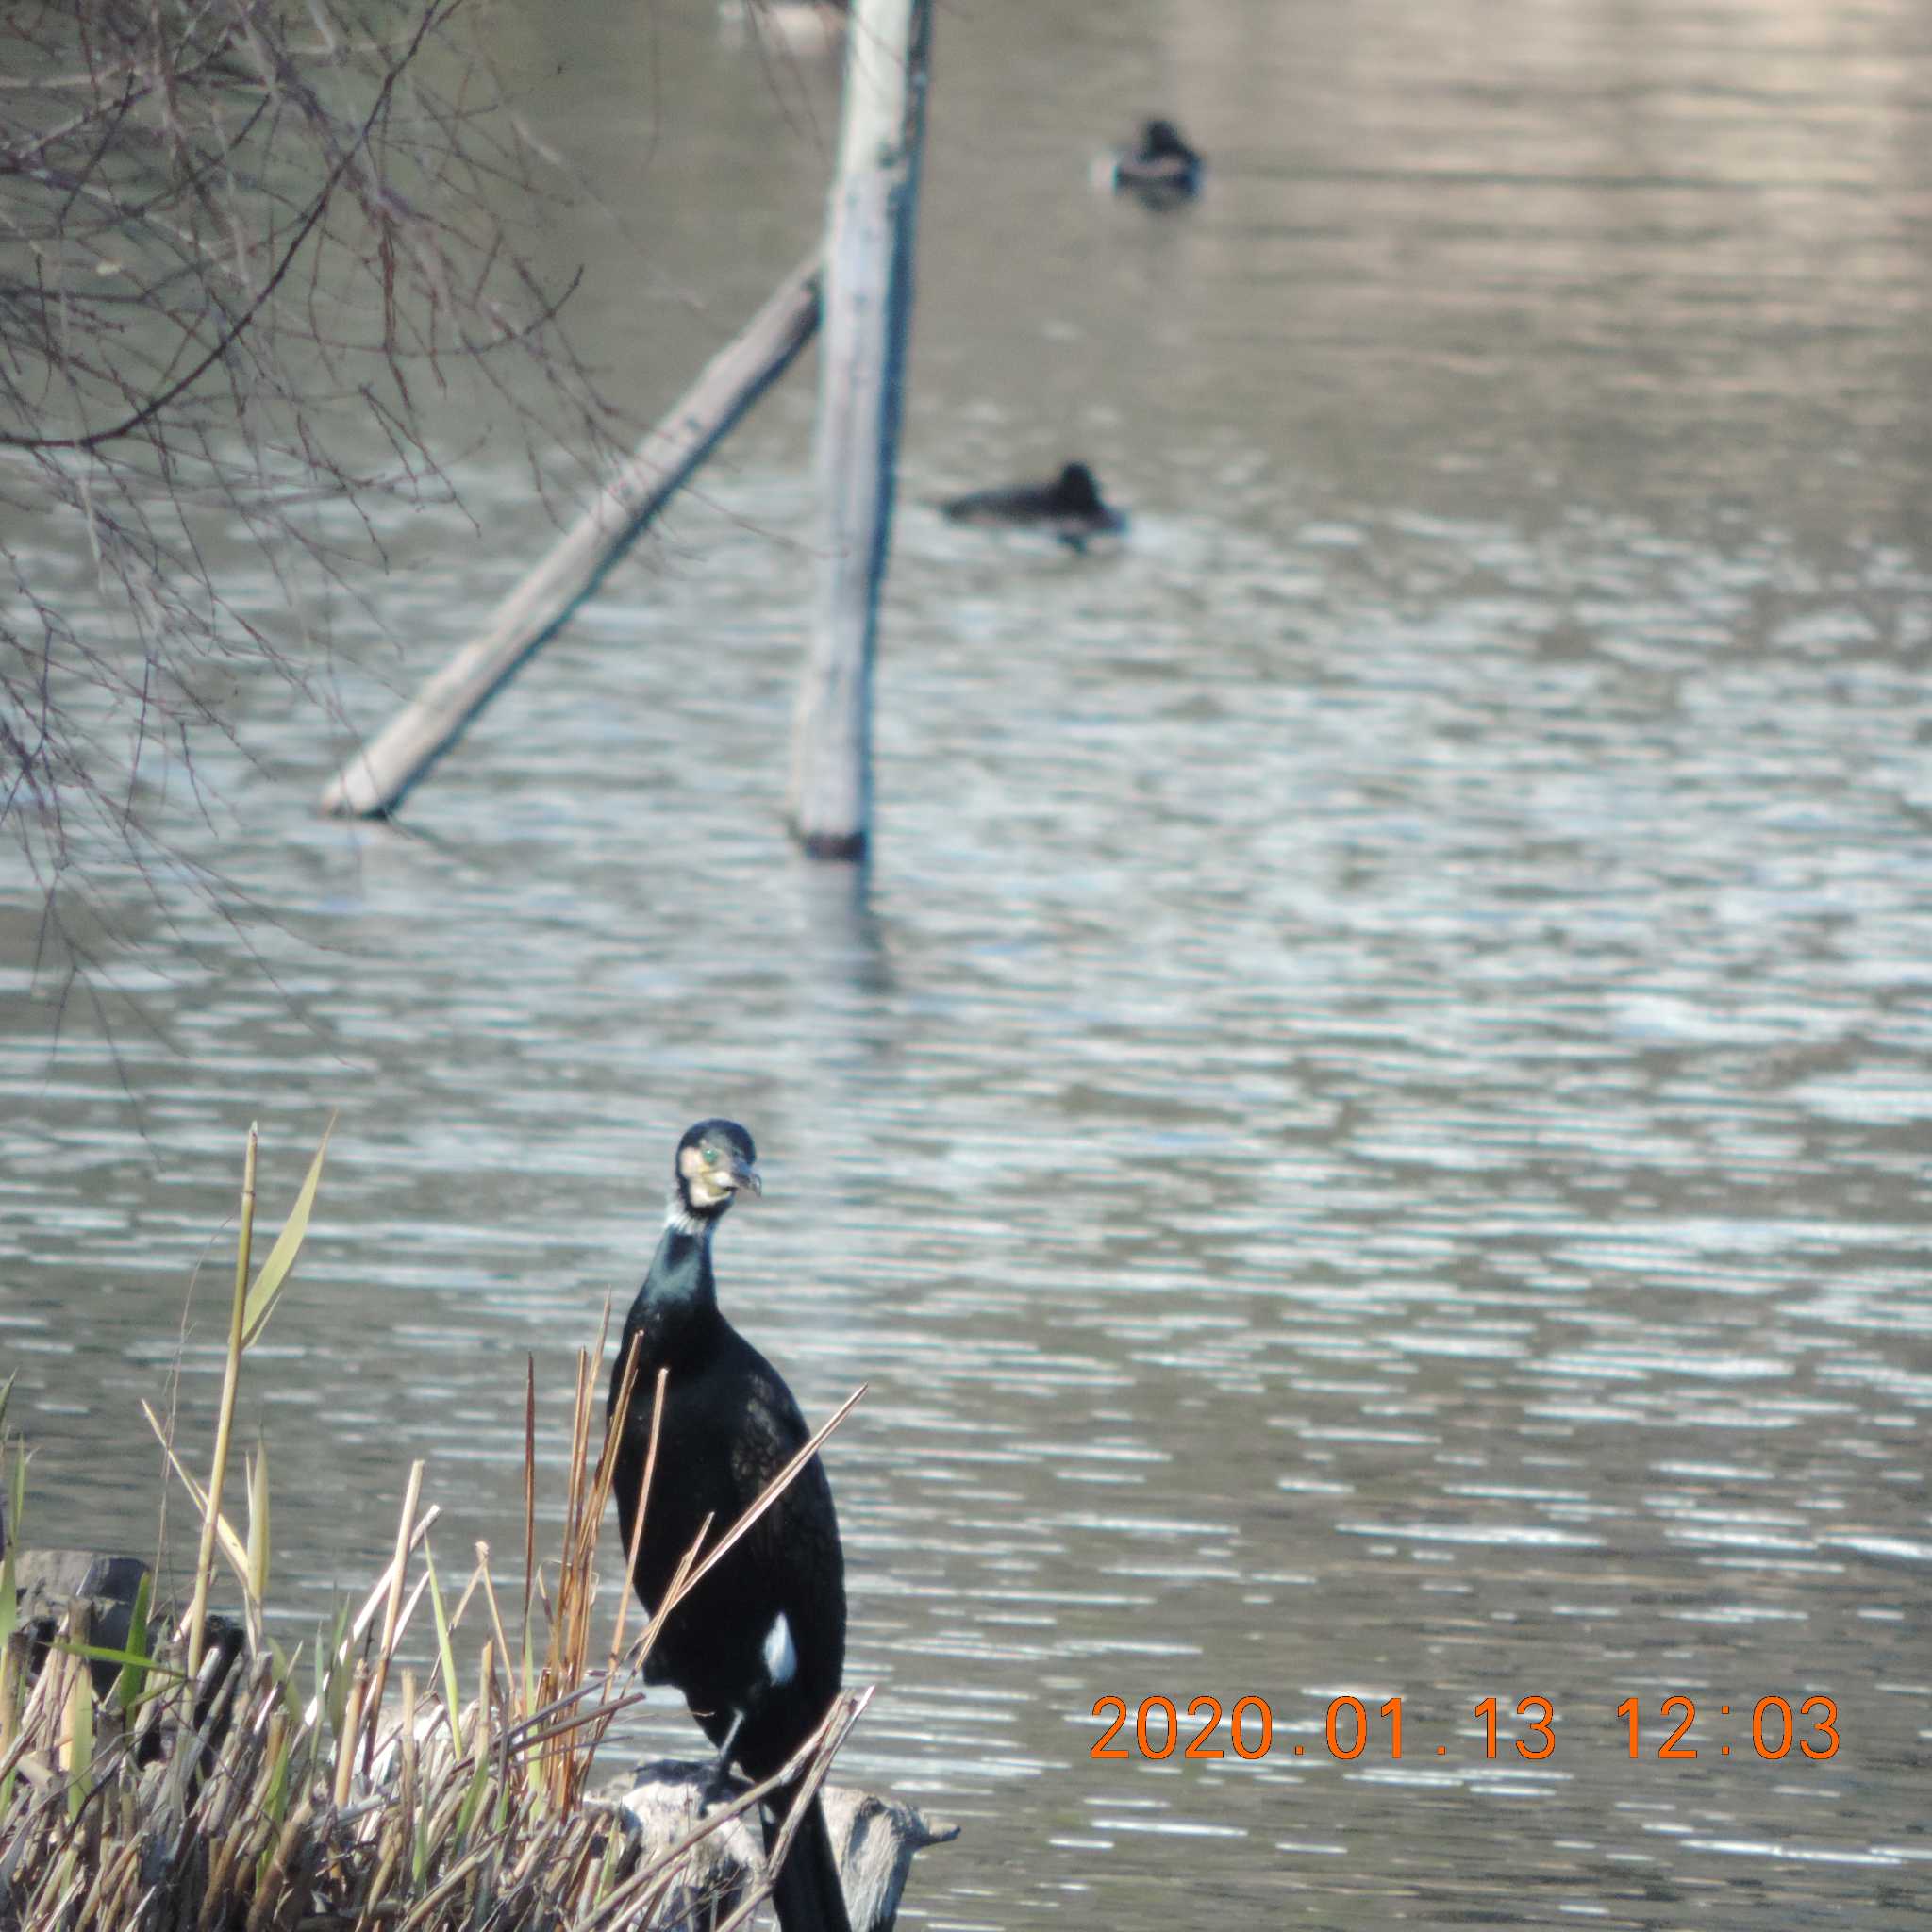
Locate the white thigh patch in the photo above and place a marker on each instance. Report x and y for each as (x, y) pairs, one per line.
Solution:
(781, 1659)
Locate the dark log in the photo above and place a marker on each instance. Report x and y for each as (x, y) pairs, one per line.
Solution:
(48, 1580)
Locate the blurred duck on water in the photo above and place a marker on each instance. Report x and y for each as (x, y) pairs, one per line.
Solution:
(1070, 507)
(1163, 172)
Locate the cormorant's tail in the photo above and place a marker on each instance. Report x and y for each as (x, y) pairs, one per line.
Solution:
(807, 1894)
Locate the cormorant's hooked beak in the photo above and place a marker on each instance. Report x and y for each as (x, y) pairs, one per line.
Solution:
(745, 1180)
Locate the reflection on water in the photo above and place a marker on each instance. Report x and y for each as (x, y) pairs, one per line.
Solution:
(1368, 1126)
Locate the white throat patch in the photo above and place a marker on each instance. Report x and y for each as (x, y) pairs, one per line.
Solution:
(676, 1217)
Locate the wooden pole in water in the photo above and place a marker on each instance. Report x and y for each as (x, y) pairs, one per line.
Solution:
(867, 314)
(373, 783)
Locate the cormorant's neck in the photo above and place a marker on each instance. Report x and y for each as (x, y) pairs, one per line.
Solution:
(682, 1217)
(680, 1285)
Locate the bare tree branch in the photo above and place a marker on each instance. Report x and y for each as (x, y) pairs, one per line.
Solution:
(243, 242)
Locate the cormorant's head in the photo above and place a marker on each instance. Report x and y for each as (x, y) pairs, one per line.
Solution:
(1163, 138)
(715, 1160)
(1075, 492)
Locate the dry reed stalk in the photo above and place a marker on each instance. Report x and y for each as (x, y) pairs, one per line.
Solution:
(637, 1531)
(377, 1596)
(118, 1877)
(673, 1594)
(486, 1701)
(275, 1877)
(530, 1485)
(231, 1379)
(495, 1615)
(352, 1730)
(566, 1655)
(536, 1729)
(582, 1523)
(405, 1746)
(76, 1744)
(398, 1570)
(580, 1452)
(606, 1479)
(385, 1582)
(776, 1487)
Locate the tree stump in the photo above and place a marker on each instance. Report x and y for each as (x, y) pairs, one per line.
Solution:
(873, 1839)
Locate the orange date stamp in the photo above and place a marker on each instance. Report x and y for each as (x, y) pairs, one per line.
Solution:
(1158, 1728)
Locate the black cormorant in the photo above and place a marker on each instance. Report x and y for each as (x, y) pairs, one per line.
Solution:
(758, 1647)
(1162, 171)
(1069, 508)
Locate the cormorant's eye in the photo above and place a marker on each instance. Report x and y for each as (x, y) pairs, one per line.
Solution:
(712, 1157)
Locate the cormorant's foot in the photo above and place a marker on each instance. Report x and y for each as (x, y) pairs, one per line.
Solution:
(717, 1787)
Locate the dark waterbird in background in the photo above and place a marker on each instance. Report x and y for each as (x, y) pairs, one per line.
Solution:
(1069, 508)
(758, 1647)
(1163, 172)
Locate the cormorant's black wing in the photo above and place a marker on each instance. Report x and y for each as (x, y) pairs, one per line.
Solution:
(793, 1563)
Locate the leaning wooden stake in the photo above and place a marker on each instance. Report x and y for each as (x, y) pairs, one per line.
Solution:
(373, 781)
(867, 313)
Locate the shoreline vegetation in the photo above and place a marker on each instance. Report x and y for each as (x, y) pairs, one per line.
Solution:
(166, 1769)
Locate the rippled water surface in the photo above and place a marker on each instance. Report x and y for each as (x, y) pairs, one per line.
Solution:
(1368, 1129)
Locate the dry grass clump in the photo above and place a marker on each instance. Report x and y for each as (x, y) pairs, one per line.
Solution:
(199, 1778)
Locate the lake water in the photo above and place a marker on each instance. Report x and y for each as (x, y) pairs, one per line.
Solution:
(1368, 1127)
